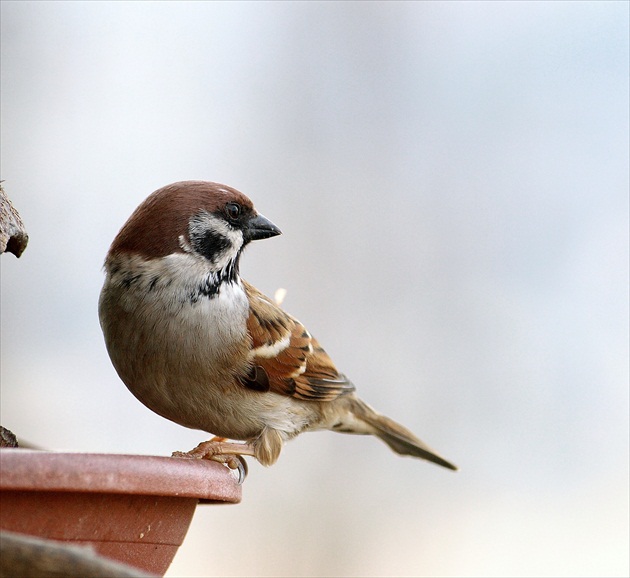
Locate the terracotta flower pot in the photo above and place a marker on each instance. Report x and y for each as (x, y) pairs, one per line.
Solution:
(133, 509)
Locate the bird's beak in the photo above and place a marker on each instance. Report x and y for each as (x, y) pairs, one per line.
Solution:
(259, 227)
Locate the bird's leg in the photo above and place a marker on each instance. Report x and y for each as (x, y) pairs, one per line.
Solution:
(221, 450)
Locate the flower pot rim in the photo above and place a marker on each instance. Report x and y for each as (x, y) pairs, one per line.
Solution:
(35, 470)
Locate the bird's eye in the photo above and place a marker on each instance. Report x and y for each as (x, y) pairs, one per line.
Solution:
(233, 211)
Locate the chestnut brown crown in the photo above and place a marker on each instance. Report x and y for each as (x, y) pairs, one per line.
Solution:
(156, 227)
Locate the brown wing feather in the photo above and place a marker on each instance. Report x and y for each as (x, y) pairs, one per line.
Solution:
(285, 358)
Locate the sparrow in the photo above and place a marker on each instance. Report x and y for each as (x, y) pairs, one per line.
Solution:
(200, 346)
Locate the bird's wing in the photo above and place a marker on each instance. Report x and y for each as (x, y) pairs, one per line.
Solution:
(285, 358)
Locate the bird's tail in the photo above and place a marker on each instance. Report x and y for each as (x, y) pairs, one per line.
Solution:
(397, 437)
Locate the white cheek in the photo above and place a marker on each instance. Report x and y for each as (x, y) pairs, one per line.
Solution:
(228, 255)
(203, 222)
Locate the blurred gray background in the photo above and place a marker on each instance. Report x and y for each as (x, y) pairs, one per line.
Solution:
(452, 182)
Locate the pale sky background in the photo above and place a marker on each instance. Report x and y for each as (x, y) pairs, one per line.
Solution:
(452, 182)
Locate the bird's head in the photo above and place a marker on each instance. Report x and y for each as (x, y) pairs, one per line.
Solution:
(207, 219)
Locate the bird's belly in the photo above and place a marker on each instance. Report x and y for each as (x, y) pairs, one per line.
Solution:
(230, 411)
(181, 364)
(241, 414)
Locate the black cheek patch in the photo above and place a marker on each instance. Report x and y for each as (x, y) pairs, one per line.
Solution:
(210, 244)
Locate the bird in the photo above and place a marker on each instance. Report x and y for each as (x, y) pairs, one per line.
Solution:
(202, 347)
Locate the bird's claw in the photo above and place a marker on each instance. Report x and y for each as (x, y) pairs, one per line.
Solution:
(239, 465)
(234, 462)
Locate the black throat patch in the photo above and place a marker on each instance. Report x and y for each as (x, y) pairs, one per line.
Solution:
(212, 283)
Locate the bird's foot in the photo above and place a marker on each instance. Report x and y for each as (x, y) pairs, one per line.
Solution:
(221, 450)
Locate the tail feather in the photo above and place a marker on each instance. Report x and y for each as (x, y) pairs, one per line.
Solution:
(397, 437)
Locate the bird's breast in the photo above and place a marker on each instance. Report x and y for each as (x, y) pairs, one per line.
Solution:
(178, 350)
